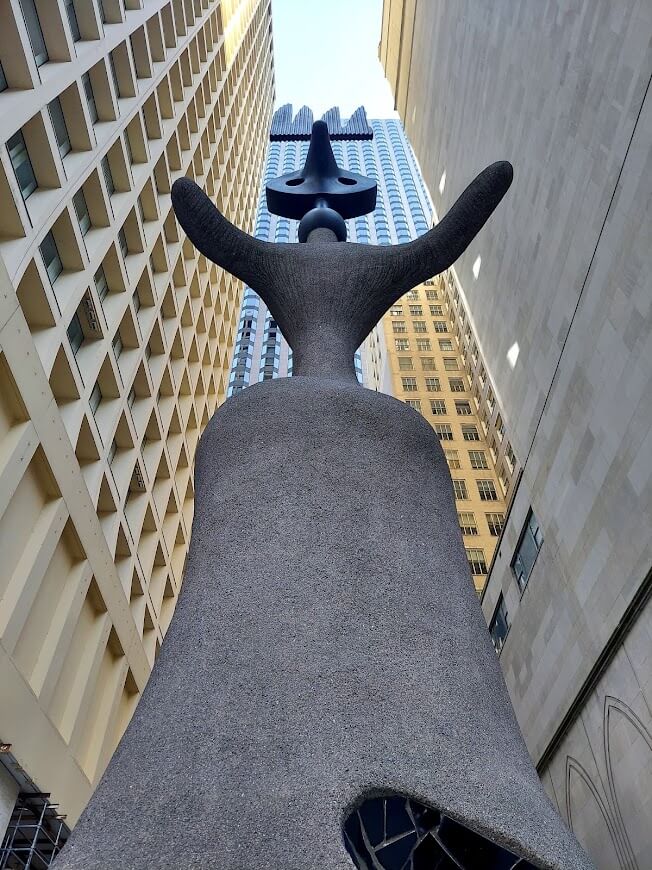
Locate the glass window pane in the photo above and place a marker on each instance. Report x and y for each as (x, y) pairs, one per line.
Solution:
(19, 157)
(81, 209)
(34, 31)
(60, 128)
(90, 97)
(72, 20)
(101, 284)
(75, 334)
(50, 254)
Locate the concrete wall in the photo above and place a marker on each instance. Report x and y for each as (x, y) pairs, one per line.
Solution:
(562, 90)
(8, 793)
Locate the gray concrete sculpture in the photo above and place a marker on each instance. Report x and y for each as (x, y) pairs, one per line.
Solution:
(327, 693)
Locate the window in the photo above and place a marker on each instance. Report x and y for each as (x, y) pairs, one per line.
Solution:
(117, 345)
(440, 325)
(135, 298)
(491, 400)
(396, 311)
(432, 385)
(72, 20)
(405, 363)
(81, 210)
(409, 384)
(75, 334)
(419, 326)
(60, 128)
(34, 31)
(478, 459)
(452, 458)
(414, 403)
(509, 457)
(399, 326)
(122, 240)
(428, 364)
(436, 311)
(477, 562)
(131, 398)
(459, 488)
(431, 294)
(402, 343)
(19, 156)
(51, 258)
(499, 625)
(500, 427)
(423, 344)
(527, 550)
(487, 490)
(416, 310)
(95, 397)
(495, 523)
(467, 523)
(445, 344)
(470, 433)
(438, 406)
(108, 175)
(450, 364)
(482, 376)
(113, 449)
(456, 385)
(101, 284)
(443, 431)
(463, 408)
(90, 97)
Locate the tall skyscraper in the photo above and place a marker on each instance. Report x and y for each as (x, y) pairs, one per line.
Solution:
(556, 291)
(416, 354)
(115, 342)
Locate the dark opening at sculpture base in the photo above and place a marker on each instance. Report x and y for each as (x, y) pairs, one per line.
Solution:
(394, 832)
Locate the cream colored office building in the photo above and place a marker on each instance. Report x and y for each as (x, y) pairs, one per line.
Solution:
(557, 292)
(115, 346)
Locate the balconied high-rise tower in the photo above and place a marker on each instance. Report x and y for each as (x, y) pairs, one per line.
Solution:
(555, 293)
(116, 338)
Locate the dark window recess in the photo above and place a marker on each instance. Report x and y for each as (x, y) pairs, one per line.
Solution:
(90, 97)
(101, 284)
(37, 41)
(60, 128)
(75, 334)
(122, 240)
(499, 625)
(81, 210)
(527, 550)
(51, 258)
(108, 175)
(72, 20)
(95, 397)
(19, 156)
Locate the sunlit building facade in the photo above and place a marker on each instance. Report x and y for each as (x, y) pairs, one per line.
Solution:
(116, 338)
(555, 291)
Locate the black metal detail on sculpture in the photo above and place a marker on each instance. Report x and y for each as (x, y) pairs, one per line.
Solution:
(321, 195)
(327, 639)
(395, 832)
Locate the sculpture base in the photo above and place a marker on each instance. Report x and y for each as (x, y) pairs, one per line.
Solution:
(327, 645)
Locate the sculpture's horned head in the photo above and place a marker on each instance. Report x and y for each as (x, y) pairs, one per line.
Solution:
(328, 295)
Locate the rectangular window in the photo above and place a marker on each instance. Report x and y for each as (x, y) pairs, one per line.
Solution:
(414, 403)
(81, 210)
(487, 490)
(436, 311)
(495, 523)
(527, 550)
(456, 385)
(423, 344)
(90, 97)
(412, 294)
(459, 488)
(51, 258)
(467, 523)
(108, 175)
(453, 459)
(499, 625)
(409, 384)
(398, 326)
(135, 298)
(405, 363)
(95, 397)
(431, 294)
(438, 406)
(419, 326)
(500, 427)
(72, 20)
(470, 433)
(445, 344)
(101, 284)
(432, 385)
(478, 459)
(131, 398)
(450, 364)
(75, 334)
(402, 343)
(60, 128)
(117, 345)
(477, 562)
(19, 156)
(113, 449)
(428, 364)
(482, 375)
(509, 457)
(416, 310)
(396, 311)
(463, 408)
(443, 431)
(122, 241)
(440, 325)
(34, 31)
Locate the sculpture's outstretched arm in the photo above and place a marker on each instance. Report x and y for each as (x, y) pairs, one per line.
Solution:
(217, 238)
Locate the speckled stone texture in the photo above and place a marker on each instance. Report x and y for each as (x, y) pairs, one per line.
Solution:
(328, 643)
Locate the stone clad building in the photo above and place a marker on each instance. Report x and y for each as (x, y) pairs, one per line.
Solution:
(556, 292)
(116, 339)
